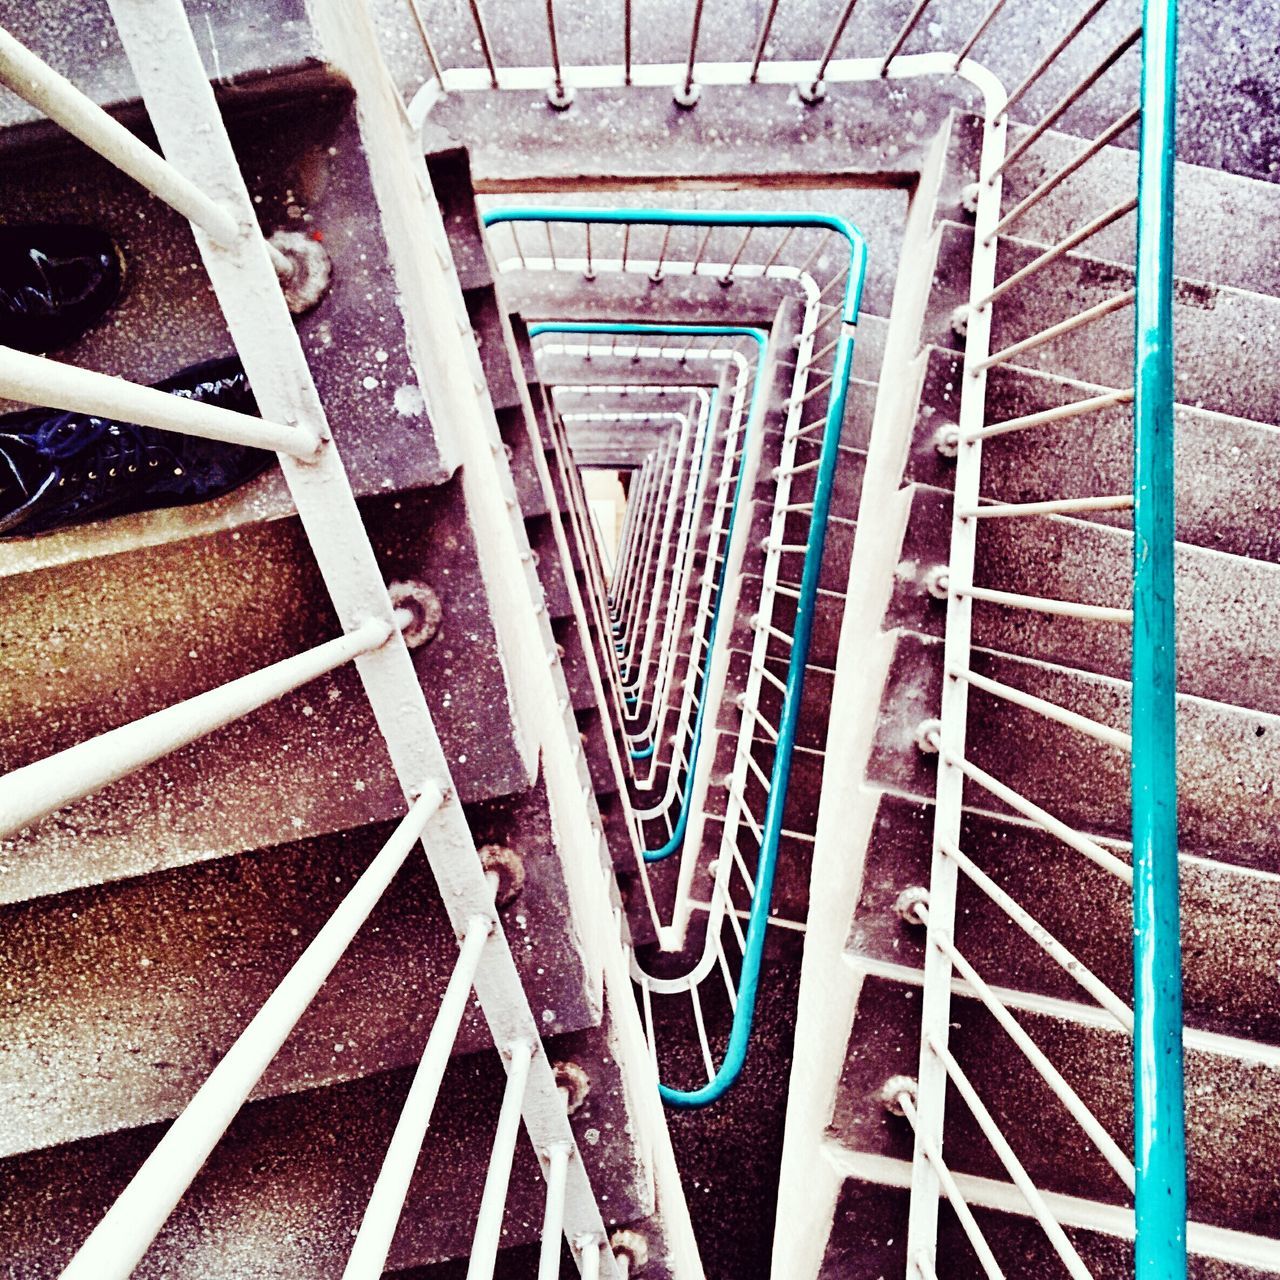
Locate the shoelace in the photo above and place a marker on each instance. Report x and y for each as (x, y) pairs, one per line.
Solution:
(95, 451)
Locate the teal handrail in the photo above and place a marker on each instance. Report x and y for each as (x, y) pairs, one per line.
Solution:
(761, 339)
(1160, 1194)
(766, 866)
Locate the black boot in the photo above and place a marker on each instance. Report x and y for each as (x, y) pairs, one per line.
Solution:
(59, 468)
(55, 282)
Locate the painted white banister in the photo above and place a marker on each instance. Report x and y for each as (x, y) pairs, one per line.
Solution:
(117, 1243)
(29, 793)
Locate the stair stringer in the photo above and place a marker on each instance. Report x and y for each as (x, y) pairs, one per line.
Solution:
(809, 1181)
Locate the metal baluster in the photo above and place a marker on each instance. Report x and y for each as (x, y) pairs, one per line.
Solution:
(557, 95)
(817, 89)
(1052, 56)
(493, 1200)
(416, 13)
(485, 48)
(765, 27)
(687, 93)
(907, 28)
(626, 41)
(967, 48)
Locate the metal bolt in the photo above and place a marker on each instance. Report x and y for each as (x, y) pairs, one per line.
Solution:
(892, 1090)
(303, 268)
(905, 904)
(505, 863)
(937, 582)
(573, 1082)
(631, 1246)
(929, 736)
(687, 98)
(960, 321)
(969, 197)
(812, 93)
(418, 611)
(947, 440)
(560, 98)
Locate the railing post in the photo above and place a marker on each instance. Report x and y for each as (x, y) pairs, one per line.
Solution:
(1159, 1142)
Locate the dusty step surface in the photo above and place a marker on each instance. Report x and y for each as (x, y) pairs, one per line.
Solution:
(1228, 633)
(1225, 334)
(1229, 948)
(1227, 777)
(1225, 495)
(283, 1192)
(1231, 1101)
(122, 997)
(1213, 207)
(305, 166)
(868, 1234)
(237, 601)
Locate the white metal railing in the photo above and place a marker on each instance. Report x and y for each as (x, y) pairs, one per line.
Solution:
(955, 582)
(807, 394)
(240, 265)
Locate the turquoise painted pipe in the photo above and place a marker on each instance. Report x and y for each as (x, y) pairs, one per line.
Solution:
(748, 983)
(1160, 1194)
(761, 339)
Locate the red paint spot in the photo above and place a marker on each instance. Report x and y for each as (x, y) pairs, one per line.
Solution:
(318, 236)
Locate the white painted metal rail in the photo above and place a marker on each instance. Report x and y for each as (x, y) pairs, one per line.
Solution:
(198, 175)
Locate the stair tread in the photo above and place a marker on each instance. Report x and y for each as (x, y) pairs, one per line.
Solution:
(1225, 496)
(1225, 332)
(1228, 633)
(223, 794)
(1228, 776)
(1206, 197)
(1228, 961)
(284, 1190)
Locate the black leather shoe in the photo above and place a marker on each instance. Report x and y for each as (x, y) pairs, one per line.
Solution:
(55, 282)
(59, 468)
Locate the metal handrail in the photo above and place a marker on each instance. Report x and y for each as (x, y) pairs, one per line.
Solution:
(1160, 1200)
(770, 827)
(181, 106)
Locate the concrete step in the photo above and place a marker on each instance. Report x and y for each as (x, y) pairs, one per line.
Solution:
(1207, 198)
(283, 1192)
(1225, 498)
(1227, 774)
(1225, 334)
(237, 602)
(825, 638)
(122, 997)
(868, 1233)
(1232, 1094)
(1228, 634)
(306, 168)
(1228, 951)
